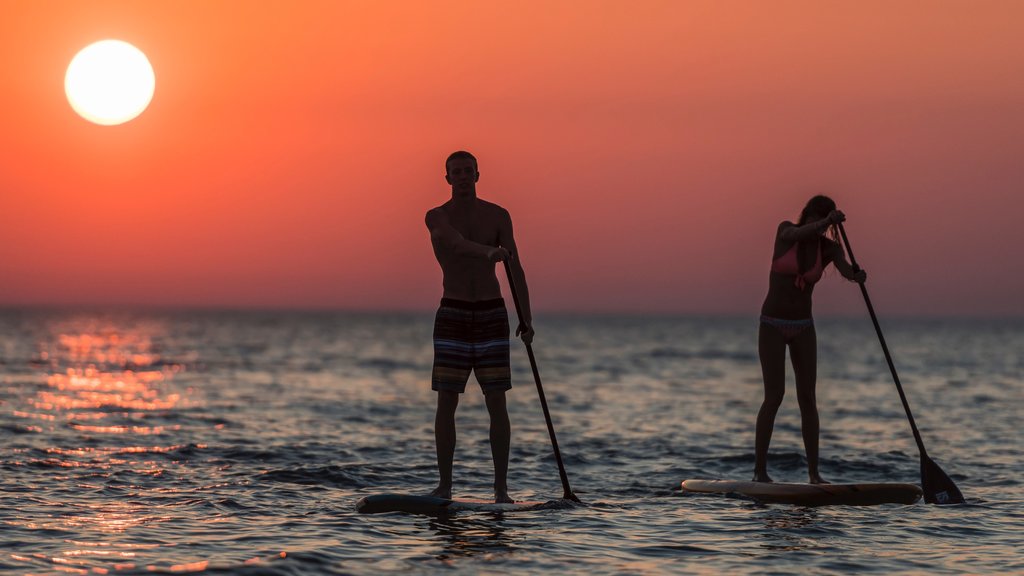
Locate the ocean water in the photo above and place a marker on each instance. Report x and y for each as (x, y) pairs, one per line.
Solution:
(237, 442)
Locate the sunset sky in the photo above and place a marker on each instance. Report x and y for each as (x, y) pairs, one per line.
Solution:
(646, 150)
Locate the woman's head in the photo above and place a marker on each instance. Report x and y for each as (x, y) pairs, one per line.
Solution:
(817, 208)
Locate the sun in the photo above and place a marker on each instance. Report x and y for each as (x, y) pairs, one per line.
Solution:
(109, 82)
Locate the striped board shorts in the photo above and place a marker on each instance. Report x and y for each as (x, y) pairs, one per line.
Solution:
(471, 337)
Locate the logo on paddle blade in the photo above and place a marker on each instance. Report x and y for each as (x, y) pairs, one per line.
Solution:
(942, 497)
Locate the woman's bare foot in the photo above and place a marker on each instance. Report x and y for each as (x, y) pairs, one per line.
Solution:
(503, 498)
(761, 477)
(817, 479)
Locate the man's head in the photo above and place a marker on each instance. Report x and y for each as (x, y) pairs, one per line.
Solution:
(461, 171)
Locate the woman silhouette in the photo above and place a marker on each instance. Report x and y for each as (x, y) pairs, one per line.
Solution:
(801, 254)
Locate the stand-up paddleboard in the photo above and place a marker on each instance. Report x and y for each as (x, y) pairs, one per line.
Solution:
(811, 494)
(432, 505)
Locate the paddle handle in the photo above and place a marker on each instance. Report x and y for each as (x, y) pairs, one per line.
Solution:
(885, 349)
(566, 490)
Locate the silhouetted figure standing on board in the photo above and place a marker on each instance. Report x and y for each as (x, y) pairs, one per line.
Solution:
(801, 254)
(471, 328)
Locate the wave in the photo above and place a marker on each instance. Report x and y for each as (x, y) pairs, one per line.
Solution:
(705, 354)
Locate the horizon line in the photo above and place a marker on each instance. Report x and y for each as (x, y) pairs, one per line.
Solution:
(213, 308)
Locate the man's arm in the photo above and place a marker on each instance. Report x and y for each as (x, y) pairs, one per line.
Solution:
(444, 234)
(507, 241)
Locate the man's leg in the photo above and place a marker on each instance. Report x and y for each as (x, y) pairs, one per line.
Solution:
(444, 436)
(500, 437)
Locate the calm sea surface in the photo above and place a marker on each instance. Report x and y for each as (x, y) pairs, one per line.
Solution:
(240, 442)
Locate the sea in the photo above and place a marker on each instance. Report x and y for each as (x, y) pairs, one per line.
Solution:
(234, 442)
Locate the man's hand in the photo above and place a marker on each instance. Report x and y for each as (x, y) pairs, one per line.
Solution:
(525, 331)
(860, 276)
(497, 254)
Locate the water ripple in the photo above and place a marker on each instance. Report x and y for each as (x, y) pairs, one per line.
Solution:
(238, 443)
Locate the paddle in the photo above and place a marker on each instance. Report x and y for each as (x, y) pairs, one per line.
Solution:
(937, 486)
(566, 491)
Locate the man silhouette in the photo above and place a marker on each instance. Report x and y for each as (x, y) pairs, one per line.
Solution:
(471, 329)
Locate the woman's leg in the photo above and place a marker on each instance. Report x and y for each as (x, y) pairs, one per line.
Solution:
(771, 347)
(803, 352)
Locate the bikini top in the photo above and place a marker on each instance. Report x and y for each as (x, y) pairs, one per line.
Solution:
(788, 264)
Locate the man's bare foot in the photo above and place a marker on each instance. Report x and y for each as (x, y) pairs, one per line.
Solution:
(761, 477)
(442, 492)
(502, 497)
(817, 479)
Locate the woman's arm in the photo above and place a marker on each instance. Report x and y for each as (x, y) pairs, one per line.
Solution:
(794, 233)
(844, 267)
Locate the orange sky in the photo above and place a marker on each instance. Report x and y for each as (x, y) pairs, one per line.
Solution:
(647, 150)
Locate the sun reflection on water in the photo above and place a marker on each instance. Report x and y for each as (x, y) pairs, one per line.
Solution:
(102, 393)
(102, 375)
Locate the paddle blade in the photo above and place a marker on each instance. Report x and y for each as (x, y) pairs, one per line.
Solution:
(937, 486)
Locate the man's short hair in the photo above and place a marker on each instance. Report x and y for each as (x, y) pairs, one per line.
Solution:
(459, 155)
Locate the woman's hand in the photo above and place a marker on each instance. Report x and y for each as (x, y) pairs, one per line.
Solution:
(835, 217)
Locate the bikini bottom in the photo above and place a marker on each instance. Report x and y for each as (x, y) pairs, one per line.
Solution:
(789, 329)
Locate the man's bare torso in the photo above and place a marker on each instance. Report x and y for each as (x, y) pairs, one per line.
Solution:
(466, 277)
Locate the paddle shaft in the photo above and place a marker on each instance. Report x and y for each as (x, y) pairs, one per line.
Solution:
(885, 349)
(567, 492)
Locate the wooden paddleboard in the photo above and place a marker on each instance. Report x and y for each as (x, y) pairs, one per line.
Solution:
(432, 505)
(861, 494)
